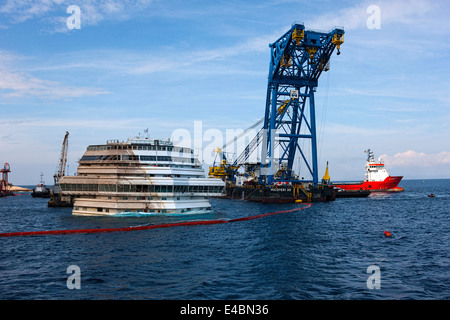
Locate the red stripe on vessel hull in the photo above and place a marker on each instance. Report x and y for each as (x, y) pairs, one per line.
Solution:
(388, 185)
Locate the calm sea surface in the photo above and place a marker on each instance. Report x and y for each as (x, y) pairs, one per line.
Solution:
(322, 252)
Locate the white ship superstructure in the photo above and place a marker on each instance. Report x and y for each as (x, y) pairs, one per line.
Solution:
(139, 176)
(375, 171)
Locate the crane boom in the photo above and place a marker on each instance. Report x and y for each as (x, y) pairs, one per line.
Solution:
(62, 160)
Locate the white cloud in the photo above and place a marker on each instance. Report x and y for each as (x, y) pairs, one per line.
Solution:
(16, 82)
(391, 11)
(13, 85)
(92, 11)
(417, 159)
(20, 11)
(139, 62)
(337, 129)
(151, 63)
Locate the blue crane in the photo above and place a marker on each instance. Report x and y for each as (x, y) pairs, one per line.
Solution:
(297, 60)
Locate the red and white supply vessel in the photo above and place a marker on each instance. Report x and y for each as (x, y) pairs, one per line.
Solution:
(377, 178)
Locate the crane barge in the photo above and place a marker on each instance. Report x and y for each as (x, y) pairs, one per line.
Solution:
(288, 132)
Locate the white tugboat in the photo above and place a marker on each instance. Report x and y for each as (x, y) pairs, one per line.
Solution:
(41, 190)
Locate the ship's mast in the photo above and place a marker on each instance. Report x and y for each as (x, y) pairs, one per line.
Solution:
(369, 155)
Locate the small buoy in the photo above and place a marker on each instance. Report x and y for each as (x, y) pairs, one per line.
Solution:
(387, 234)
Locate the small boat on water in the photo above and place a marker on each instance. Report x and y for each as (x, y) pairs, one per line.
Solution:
(377, 178)
(41, 190)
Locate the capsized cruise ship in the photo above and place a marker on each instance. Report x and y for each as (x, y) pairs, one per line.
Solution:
(139, 176)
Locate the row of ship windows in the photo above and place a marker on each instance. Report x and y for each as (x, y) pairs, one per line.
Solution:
(137, 158)
(139, 188)
(141, 147)
(145, 210)
(127, 176)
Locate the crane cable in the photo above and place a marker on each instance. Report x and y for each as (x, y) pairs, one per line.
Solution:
(324, 113)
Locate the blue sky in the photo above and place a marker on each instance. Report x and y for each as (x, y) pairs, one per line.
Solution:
(164, 65)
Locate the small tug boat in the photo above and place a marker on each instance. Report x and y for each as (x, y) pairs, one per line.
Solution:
(41, 190)
(377, 178)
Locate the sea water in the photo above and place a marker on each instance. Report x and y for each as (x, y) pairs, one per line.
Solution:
(332, 250)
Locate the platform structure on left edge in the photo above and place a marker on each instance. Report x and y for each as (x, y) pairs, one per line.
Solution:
(4, 186)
